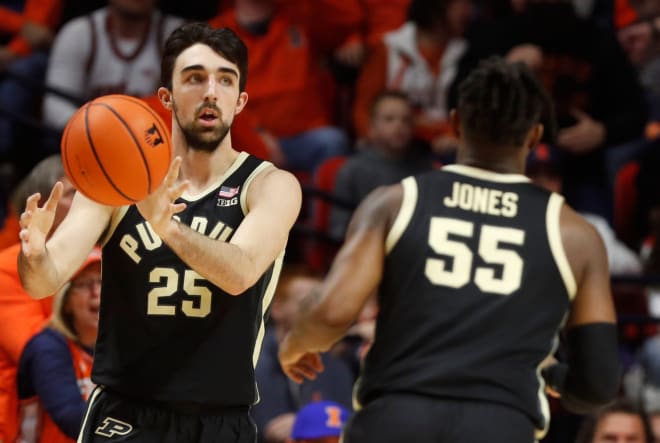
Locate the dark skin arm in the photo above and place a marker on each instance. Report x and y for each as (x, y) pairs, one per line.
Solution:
(591, 375)
(327, 313)
(588, 260)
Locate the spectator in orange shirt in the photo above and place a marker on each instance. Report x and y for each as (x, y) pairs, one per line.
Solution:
(420, 59)
(54, 375)
(289, 106)
(21, 316)
(26, 33)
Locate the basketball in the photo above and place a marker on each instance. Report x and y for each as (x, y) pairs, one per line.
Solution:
(116, 150)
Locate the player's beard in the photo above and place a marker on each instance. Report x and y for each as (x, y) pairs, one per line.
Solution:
(201, 138)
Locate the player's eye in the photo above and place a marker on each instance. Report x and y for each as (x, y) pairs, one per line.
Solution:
(226, 80)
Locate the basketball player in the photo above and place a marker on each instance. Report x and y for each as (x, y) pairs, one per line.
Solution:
(476, 270)
(188, 273)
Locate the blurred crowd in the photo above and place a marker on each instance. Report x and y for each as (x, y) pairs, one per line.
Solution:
(349, 95)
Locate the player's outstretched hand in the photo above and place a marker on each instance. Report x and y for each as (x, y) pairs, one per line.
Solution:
(298, 364)
(159, 207)
(36, 222)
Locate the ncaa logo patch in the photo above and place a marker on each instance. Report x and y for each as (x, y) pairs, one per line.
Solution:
(111, 427)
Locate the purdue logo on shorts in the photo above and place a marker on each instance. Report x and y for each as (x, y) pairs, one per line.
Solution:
(112, 426)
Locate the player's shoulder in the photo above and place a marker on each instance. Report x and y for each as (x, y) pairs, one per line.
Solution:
(270, 174)
(574, 225)
(381, 206)
(272, 181)
(580, 238)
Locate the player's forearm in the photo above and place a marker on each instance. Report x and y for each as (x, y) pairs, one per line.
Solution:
(317, 329)
(223, 264)
(591, 377)
(38, 274)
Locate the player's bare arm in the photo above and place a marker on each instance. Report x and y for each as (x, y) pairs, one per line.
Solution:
(326, 314)
(45, 265)
(588, 259)
(590, 377)
(273, 200)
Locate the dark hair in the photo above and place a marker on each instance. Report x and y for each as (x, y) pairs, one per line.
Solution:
(427, 14)
(386, 94)
(499, 102)
(621, 406)
(223, 41)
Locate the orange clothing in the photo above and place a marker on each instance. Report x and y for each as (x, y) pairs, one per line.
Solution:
(373, 80)
(286, 83)
(43, 12)
(624, 14)
(376, 17)
(47, 431)
(341, 19)
(242, 136)
(9, 232)
(383, 16)
(20, 318)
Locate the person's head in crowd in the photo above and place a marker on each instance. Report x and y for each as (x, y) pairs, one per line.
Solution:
(132, 10)
(620, 422)
(391, 122)
(295, 283)
(76, 304)
(41, 179)
(319, 422)
(449, 17)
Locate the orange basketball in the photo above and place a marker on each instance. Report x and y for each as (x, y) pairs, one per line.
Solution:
(116, 150)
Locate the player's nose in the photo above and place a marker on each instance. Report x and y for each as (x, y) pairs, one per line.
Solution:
(211, 94)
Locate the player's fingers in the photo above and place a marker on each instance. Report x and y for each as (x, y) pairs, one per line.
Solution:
(173, 172)
(175, 208)
(32, 202)
(313, 361)
(54, 197)
(292, 374)
(303, 373)
(316, 362)
(25, 219)
(306, 370)
(177, 191)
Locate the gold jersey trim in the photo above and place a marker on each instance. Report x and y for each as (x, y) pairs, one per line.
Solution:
(408, 204)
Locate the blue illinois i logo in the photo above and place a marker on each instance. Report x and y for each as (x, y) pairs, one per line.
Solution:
(111, 427)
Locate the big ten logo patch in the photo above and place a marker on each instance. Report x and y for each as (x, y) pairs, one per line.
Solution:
(111, 427)
(228, 196)
(333, 417)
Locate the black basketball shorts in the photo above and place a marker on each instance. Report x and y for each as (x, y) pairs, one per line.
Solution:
(113, 418)
(403, 418)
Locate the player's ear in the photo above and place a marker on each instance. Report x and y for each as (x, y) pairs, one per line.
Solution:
(534, 136)
(241, 102)
(165, 97)
(455, 122)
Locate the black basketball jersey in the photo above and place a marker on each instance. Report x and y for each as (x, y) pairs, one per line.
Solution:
(165, 332)
(476, 285)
